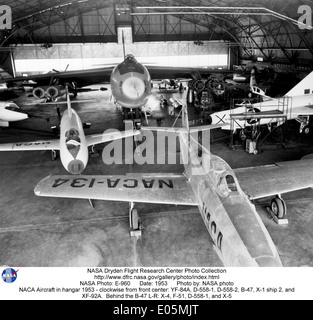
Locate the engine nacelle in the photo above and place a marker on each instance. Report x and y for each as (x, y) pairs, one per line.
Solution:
(49, 92)
(3, 87)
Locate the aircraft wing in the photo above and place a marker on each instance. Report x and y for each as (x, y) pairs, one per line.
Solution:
(31, 146)
(102, 75)
(110, 136)
(146, 188)
(304, 110)
(258, 115)
(80, 77)
(281, 177)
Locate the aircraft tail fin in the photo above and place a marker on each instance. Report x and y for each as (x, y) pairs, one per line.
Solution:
(185, 119)
(124, 48)
(305, 86)
(68, 101)
(252, 78)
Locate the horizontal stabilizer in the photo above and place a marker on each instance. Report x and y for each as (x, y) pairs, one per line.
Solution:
(110, 136)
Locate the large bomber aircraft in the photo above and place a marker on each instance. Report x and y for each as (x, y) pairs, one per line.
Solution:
(73, 144)
(53, 84)
(222, 195)
(295, 104)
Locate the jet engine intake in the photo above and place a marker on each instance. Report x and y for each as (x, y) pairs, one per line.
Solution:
(49, 92)
(39, 93)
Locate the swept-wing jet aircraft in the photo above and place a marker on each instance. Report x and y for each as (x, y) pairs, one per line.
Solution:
(222, 195)
(73, 144)
(295, 104)
(52, 85)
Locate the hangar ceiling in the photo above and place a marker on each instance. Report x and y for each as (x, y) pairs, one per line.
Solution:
(267, 28)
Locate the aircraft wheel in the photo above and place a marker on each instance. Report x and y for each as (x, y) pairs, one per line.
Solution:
(255, 151)
(54, 155)
(278, 208)
(134, 219)
(306, 130)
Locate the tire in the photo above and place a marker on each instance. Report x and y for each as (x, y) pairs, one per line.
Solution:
(278, 208)
(306, 130)
(134, 219)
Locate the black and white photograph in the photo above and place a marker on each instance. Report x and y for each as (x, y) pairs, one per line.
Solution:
(142, 138)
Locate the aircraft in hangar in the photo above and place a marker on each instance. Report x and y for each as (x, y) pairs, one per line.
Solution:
(130, 79)
(222, 195)
(10, 112)
(296, 104)
(73, 144)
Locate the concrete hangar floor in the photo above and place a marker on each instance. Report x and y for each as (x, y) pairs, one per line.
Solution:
(42, 232)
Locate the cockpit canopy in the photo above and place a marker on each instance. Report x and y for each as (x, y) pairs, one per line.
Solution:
(222, 176)
(130, 58)
(12, 107)
(73, 141)
(226, 184)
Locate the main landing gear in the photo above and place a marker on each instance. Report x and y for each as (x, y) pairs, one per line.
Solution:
(278, 210)
(54, 155)
(134, 221)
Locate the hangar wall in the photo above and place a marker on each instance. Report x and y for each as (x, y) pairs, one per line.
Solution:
(82, 56)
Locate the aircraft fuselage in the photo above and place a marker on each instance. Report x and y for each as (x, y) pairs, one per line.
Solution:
(73, 146)
(292, 107)
(10, 112)
(130, 83)
(235, 227)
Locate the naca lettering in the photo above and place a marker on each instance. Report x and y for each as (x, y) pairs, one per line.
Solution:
(5, 17)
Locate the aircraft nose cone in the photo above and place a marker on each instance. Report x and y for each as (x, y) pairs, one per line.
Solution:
(75, 167)
(269, 262)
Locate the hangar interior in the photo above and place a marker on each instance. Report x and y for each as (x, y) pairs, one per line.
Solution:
(274, 38)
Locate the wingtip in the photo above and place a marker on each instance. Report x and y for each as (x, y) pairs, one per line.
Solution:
(38, 188)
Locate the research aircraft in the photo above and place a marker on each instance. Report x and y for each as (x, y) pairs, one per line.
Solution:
(10, 112)
(73, 144)
(222, 195)
(53, 83)
(296, 104)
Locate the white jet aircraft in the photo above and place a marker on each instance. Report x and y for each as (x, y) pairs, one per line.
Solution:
(222, 195)
(73, 144)
(296, 104)
(10, 112)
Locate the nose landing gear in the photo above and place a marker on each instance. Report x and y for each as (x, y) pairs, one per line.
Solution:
(134, 221)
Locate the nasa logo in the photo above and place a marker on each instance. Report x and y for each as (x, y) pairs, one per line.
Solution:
(9, 275)
(5, 17)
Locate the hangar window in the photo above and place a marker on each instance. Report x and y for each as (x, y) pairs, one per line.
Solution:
(307, 91)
